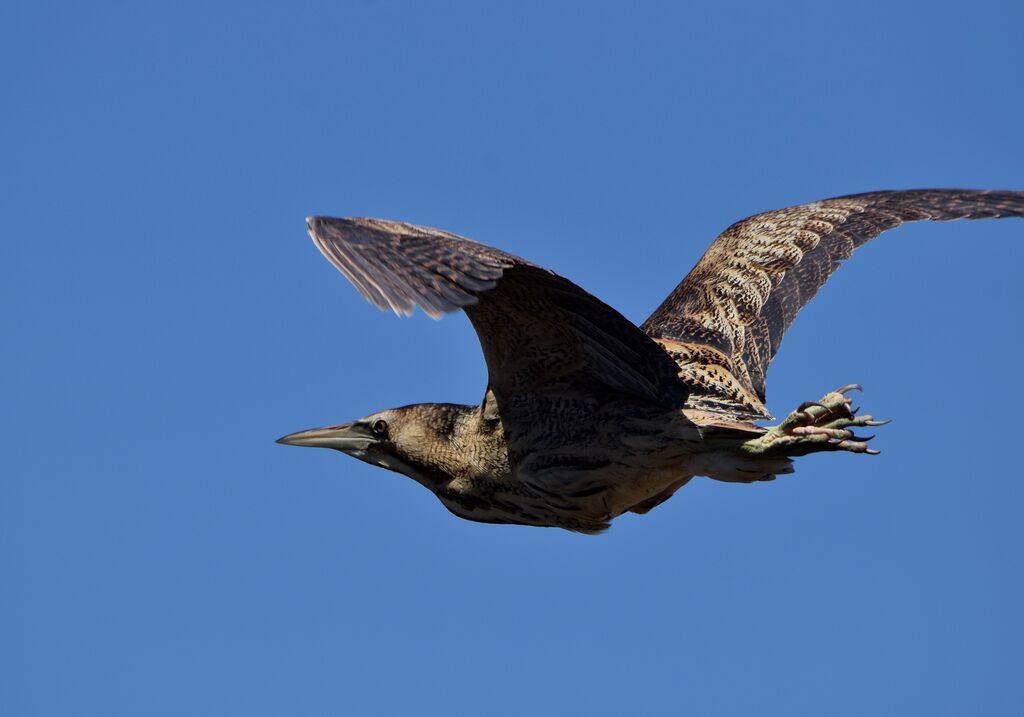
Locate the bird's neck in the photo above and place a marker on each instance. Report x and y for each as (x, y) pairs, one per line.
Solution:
(459, 444)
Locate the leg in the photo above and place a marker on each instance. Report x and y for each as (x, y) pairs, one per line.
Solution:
(824, 425)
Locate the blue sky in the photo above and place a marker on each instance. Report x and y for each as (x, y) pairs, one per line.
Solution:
(165, 318)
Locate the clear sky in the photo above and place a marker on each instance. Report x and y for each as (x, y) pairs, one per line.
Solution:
(165, 318)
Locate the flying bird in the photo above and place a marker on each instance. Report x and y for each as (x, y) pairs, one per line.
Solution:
(587, 416)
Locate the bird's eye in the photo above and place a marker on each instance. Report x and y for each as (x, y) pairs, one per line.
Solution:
(380, 427)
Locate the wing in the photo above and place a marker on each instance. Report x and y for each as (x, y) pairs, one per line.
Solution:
(730, 312)
(540, 333)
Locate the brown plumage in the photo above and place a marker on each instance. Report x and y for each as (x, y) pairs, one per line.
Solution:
(737, 302)
(587, 416)
(537, 329)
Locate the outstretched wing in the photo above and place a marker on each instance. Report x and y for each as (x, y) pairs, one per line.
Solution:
(733, 308)
(540, 332)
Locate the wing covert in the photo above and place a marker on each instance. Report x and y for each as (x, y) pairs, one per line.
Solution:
(539, 331)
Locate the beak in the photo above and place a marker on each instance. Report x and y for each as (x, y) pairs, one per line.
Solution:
(351, 438)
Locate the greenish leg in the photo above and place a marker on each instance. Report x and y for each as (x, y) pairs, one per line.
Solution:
(825, 425)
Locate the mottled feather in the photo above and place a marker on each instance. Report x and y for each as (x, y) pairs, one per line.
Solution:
(540, 333)
(724, 322)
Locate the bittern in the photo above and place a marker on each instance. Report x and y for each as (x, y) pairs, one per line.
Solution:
(587, 416)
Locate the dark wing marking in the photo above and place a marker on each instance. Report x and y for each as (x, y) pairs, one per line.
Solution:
(539, 331)
(748, 287)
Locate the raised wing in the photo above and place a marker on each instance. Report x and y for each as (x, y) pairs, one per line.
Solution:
(730, 312)
(540, 333)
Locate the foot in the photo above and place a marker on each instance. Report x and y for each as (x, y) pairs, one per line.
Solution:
(825, 425)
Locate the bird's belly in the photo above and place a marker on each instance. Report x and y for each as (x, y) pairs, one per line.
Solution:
(520, 509)
(630, 463)
(582, 498)
(584, 474)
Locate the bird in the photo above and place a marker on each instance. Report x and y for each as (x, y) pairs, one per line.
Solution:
(586, 416)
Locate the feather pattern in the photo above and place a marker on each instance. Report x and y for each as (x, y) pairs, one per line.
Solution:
(540, 333)
(732, 310)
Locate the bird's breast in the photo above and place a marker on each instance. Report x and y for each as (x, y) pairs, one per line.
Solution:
(582, 475)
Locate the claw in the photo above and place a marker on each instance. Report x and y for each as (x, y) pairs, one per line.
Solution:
(825, 425)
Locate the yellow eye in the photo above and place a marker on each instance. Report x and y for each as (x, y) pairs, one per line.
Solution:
(380, 427)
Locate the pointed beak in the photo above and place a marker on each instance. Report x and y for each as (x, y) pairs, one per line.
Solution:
(350, 438)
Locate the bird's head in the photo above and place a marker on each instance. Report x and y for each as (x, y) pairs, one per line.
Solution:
(416, 441)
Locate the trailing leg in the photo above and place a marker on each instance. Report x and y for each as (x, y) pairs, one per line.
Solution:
(825, 425)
